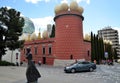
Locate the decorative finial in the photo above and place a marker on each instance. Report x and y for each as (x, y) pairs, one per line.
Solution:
(39, 35)
(39, 30)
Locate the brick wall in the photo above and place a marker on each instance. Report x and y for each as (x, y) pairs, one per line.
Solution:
(69, 36)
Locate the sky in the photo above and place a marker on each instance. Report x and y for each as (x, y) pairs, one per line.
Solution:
(98, 14)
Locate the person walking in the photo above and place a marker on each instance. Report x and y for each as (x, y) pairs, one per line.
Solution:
(32, 74)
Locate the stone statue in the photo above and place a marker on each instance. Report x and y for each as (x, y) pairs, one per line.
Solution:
(32, 74)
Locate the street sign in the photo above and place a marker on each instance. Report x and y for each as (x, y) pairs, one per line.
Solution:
(106, 54)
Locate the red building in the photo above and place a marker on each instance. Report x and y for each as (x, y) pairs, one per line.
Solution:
(68, 42)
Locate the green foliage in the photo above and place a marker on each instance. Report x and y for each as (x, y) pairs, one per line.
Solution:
(101, 49)
(115, 55)
(92, 48)
(5, 63)
(2, 41)
(11, 19)
(53, 32)
(108, 48)
(97, 48)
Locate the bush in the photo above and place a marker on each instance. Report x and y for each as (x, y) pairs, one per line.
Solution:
(5, 63)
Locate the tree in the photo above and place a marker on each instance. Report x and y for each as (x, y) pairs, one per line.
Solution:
(101, 49)
(14, 23)
(108, 49)
(92, 48)
(97, 48)
(115, 55)
(2, 41)
(53, 32)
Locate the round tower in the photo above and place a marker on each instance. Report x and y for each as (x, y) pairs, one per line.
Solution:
(69, 31)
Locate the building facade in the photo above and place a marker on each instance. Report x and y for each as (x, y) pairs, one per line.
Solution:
(110, 34)
(68, 43)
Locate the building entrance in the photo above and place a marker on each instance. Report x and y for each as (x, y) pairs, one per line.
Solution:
(44, 60)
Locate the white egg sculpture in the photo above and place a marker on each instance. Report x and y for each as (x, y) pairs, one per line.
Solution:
(33, 36)
(57, 9)
(80, 10)
(73, 6)
(45, 34)
(64, 7)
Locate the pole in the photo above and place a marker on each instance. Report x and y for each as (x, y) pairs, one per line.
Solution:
(11, 56)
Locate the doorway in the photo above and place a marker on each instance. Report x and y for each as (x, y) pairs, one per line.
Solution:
(44, 60)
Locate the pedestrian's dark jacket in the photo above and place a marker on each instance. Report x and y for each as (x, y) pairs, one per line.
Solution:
(32, 74)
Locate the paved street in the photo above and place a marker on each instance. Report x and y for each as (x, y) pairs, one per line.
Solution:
(103, 74)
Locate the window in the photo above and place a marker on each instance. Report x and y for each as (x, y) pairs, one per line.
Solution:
(36, 52)
(43, 49)
(50, 50)
(85, 62)
(88, 52)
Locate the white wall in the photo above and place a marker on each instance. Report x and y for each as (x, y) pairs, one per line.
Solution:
(9, 58)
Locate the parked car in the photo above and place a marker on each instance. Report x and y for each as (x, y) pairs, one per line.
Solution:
(80, 66)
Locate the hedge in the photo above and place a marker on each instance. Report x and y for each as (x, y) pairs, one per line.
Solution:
(5, 63)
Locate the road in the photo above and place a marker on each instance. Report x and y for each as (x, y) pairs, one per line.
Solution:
(50, 74)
